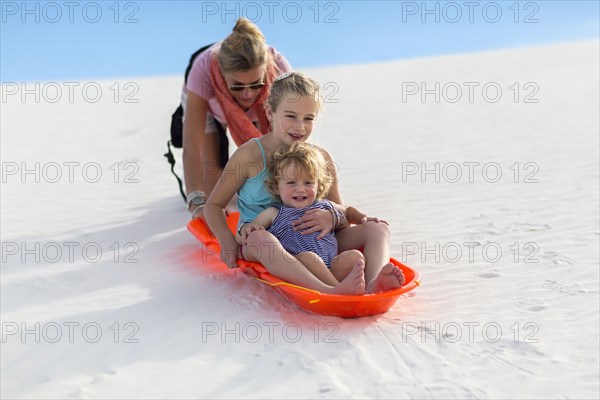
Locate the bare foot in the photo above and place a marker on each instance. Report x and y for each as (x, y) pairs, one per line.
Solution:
(354, 283)
(389, 278)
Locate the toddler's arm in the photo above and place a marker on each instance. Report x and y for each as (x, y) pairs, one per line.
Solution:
(264, 220)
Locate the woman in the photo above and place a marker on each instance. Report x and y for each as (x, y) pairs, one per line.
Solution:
(227, 85)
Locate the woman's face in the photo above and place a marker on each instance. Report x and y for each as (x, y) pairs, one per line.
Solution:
(248, 95)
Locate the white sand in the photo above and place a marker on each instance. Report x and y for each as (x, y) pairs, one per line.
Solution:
(173, 328)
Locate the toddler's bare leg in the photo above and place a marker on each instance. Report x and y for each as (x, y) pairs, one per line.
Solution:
(342, 264)
(315, 264)
(262, 246)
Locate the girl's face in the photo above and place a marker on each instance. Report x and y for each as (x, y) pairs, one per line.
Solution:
(249, 82)
(295, 187)
(294, 118)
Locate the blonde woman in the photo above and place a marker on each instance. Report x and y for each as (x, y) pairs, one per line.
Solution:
(227, 85)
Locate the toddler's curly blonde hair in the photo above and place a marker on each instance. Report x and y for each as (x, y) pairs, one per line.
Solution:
(307, 158)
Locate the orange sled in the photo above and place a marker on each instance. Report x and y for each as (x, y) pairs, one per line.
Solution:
(345, 306)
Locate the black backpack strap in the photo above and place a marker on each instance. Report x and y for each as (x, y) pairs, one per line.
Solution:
(223, 155)
(171, 160)
(223, 144)
(177, 127)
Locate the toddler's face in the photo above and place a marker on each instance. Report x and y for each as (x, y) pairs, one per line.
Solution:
(296, 188)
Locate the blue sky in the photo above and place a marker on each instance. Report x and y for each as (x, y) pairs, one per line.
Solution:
(63, 40)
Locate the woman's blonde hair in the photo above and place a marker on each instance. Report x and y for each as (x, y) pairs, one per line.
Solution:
(291, 86)
(244, 49)
(306, 158)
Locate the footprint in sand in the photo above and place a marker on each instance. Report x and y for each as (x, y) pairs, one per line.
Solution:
(554, 258)
(531, 305)
(219, 277)
(247, 302)
(489, 275)
(536, 308)
(528, 227)
(563, 287)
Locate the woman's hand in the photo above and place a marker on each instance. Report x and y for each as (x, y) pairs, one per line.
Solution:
(314, 221)
(248, 228)
(229, 251)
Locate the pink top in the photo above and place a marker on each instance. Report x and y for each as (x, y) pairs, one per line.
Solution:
(199, 79)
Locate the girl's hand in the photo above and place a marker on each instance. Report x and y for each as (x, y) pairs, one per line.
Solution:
(314, 221)
(248, 228)
(364, 220)
(229, 252)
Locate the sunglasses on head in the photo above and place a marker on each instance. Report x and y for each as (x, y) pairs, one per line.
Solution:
(252, 86)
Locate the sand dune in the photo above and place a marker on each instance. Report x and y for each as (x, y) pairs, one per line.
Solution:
(492, 192)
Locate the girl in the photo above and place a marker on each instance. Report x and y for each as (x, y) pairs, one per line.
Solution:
(291, 108)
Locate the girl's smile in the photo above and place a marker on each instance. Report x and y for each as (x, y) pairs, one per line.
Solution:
(294, 118)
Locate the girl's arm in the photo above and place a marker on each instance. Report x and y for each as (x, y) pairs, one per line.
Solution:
(354, 216)
(234, 175)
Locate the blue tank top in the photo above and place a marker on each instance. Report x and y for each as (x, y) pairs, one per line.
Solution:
(294, 242)
(253, 197)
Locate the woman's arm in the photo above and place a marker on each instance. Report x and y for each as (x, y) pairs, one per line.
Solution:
(193, 142)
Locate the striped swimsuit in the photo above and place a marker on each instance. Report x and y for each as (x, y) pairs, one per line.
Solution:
(294, 242)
